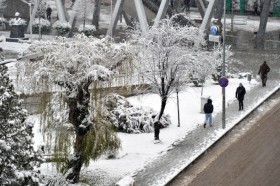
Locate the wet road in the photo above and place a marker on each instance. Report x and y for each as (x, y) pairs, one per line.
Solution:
(251, 159)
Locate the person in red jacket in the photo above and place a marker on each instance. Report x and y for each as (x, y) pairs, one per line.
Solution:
(263, 71)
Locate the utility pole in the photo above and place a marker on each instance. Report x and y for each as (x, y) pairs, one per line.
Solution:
(178, 106)
(30, 19)
(232, 15)
(224, 71)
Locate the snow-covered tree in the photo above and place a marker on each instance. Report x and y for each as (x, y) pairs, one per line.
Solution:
(166, 56)
(211, 64)
(18, 160)
(74, 65)
(83, 9)
(217, 58)
(129, 118)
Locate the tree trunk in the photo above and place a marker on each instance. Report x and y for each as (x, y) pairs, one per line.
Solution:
(96, 14)
(78, 115)
(219, 11)
(262, 27)
(200, 8)
(162, 107)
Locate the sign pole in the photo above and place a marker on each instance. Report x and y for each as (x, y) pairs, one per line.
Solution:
(224, 73)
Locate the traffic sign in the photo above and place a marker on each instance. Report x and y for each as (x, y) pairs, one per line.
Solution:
(223, 81)
(216, 39)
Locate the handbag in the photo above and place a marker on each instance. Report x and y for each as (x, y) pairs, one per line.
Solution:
(258, 78)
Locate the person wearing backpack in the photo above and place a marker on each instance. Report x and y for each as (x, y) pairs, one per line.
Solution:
(208, 110)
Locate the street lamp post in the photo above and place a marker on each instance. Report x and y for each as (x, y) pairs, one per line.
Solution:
(224, 71)
(30, 18)
(40, 11)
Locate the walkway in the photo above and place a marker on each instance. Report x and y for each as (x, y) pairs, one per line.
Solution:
(244, 157)
(163, 169)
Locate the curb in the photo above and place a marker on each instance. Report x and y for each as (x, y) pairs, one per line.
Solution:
(223, 135)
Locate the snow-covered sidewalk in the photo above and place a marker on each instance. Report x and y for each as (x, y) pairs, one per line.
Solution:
(165, 167)
(156, 164)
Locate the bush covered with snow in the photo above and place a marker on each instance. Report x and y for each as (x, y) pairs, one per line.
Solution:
(87, 29)
(44, 23)
(3, 20)
(15, 21)
(131, 119)
(62, 27)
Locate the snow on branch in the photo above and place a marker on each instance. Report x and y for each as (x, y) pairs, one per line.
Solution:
(68, 62)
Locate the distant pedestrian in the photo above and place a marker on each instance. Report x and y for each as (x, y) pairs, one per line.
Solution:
(157, 127)
(73, 2)
(239, 94)
(208, 110)
(172, 3)
(256, 7)
(263, 71)
(49, 13)
(186, 5)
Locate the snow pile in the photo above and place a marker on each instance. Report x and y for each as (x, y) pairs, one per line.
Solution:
(130, 119)
(126, 181)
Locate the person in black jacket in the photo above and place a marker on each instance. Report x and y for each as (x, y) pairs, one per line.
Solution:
(239, 94)
(263, 71)
(49, 13)
(208, 110)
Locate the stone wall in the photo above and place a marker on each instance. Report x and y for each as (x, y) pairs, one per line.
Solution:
(32, 103)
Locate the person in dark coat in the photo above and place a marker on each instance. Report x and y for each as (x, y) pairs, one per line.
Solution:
(157, 127)
(263, 71)
(239, 94)
(208, 110)
(49, 13)
(256, 7)
(186, 5)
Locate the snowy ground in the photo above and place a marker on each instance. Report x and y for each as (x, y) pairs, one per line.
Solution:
(139, 149)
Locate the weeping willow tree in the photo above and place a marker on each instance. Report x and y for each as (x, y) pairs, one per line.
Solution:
(70, 67)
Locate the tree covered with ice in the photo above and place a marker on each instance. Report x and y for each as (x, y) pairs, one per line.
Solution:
(18, 160)
(73, 67)
(166, 56)
(83, 9)
(218, 57)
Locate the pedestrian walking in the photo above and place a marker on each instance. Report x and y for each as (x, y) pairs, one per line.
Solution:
(186, 5)
(263, 71)
(239, 94)
(49, 13)
(208, 110)
(157, 127)
(256, 7)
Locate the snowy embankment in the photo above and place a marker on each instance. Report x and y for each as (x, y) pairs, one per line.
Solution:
(139, 149)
